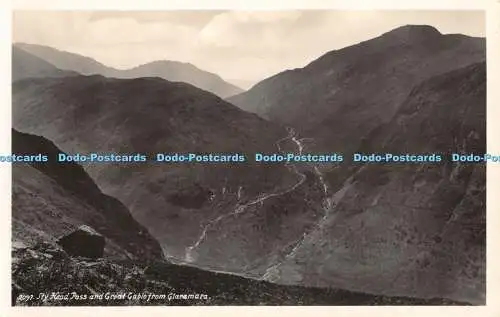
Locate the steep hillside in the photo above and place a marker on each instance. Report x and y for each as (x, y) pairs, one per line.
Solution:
(345, 94)
(416, 229)
(169, 70)
(180, 203)
(50, 199)
(26, 65)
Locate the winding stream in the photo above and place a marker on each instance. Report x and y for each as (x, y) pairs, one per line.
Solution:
(240, 208)
(327, 205)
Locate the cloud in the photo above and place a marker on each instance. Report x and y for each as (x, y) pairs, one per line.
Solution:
(234, 44)
(51, 27)
(119, 31)
(196, 19)
(248, 30)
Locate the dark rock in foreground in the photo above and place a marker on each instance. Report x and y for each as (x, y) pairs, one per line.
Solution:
(85, 242)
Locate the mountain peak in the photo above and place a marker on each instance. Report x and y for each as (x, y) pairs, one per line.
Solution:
(167, 62)
(411, 32)
(172, 65)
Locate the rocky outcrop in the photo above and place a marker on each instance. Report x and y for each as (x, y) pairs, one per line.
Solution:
(84, 241)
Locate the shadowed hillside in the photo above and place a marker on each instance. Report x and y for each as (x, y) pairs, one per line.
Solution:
(50, 199)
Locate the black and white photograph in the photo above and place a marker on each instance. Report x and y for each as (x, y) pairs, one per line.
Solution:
(248, 158)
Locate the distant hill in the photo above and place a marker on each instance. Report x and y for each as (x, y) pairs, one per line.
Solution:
(169, 70)
(184, 72)
(26, 65)
(245, 84)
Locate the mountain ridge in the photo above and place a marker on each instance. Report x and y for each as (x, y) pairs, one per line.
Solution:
(26, 65)
(385, 68)
(170, 70)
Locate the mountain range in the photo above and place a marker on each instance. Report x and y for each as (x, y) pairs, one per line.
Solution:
(415, 230)
(170, 70)
(342, 96)
(410, 90)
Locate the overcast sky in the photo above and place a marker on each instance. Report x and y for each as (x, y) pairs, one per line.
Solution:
(234, 44)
